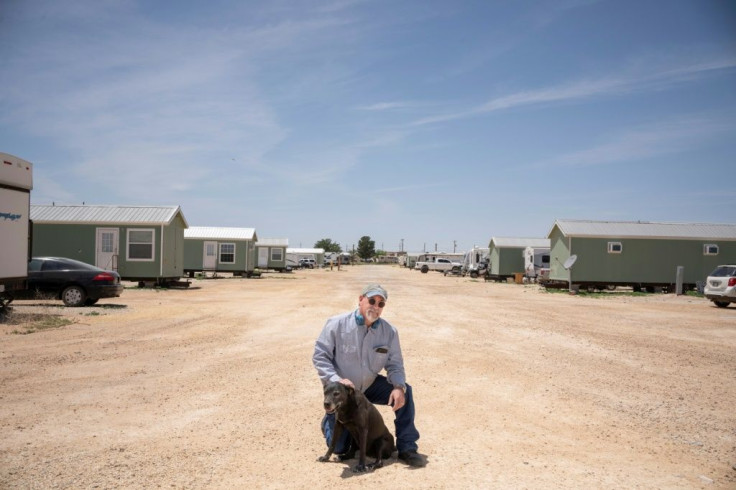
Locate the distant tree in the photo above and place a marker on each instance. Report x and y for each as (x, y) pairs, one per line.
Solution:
(328, 245)
(366, 247)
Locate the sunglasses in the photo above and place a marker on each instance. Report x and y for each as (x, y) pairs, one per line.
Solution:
(372, 301)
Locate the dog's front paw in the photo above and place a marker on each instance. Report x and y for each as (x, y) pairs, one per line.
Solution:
(323, 459)
(360, 468)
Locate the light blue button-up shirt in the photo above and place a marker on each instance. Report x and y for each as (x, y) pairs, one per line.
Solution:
(345, 349)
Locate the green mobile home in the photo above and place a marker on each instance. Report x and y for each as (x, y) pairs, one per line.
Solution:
(506, 255)
(271, 253)
(141, 243)
(217, 249)
(637, 254)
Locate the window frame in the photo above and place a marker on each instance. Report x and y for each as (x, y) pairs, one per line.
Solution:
(612, 246)
(280, 252)
(220, 253)
(128, 243)
(707, 249)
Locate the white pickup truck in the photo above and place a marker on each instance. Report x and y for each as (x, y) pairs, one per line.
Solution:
(438, 264)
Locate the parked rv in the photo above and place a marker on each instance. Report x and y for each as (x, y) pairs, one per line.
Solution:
(536, 264)
(16, 182)
(475, 262)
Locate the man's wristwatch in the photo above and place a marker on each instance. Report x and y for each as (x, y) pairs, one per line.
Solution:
(401, 387)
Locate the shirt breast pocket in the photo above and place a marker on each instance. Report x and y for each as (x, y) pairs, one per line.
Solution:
(379, 356)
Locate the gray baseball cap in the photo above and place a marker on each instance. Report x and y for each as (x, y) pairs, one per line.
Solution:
(374, 290)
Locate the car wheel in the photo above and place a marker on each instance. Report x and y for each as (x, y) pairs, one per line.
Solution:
(73, 296)
(425, 269)
(721, 304)
(90, 301)
(474, 275)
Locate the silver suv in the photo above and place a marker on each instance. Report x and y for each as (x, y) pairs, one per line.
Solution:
(720, 287)
(307, 263)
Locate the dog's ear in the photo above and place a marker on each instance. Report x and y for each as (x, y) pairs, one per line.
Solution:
(350, 390)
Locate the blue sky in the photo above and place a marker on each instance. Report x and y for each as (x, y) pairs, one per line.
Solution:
(434, 122)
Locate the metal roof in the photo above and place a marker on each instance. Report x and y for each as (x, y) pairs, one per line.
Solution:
(305, 250)
(91, 214)
(217, 233)
(272, 242)
(504, 242)
(645, 229)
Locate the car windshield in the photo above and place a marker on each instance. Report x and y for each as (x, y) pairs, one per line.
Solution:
(724, 271)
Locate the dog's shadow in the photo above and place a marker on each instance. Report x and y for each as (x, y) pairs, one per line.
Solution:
(347, 472)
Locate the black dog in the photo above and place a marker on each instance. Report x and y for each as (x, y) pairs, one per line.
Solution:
(355, 413)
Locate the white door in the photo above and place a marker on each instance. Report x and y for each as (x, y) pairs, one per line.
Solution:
(209, 261)
(263, 257)
(106, 256)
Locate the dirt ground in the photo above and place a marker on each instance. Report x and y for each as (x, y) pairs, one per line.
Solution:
(515, 387)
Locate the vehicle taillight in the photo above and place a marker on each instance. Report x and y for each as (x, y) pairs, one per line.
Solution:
(731, 281)
(104, 276)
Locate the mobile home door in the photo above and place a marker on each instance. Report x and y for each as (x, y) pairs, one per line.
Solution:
(209, 260)
(106, 256)
(263, 257)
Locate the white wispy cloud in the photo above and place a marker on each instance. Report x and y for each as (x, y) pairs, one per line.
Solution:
(641, 143)
(404, 188)
(586, 89)
(385, 106)
(156, 109)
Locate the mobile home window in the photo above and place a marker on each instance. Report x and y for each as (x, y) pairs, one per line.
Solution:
(615, 247)
(710, 249)
(141, 245)
(277, 254)
(227, 253)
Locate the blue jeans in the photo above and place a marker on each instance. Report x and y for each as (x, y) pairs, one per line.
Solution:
(378, 393)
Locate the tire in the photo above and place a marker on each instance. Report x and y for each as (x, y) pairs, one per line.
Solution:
(474, 275)
(425, 269)
(73, 296)
(90, 301)
(721, 304)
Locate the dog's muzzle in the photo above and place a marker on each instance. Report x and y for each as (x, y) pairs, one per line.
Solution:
(330, 408)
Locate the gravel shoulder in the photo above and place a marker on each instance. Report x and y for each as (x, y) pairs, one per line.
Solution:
(213, 387)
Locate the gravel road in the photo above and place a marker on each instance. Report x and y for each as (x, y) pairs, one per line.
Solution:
(213, 387)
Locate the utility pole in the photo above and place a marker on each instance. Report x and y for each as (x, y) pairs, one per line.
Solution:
(435, 246)
(401, 247)
(454, 246)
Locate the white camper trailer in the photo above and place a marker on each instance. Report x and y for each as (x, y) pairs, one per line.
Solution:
(474, 261)
(536, 263)
(16, 182)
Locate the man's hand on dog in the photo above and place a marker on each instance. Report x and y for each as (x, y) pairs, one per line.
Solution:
(347, 382)
(396, 400)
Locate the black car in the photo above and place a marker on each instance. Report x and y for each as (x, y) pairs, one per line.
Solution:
(75, 283)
